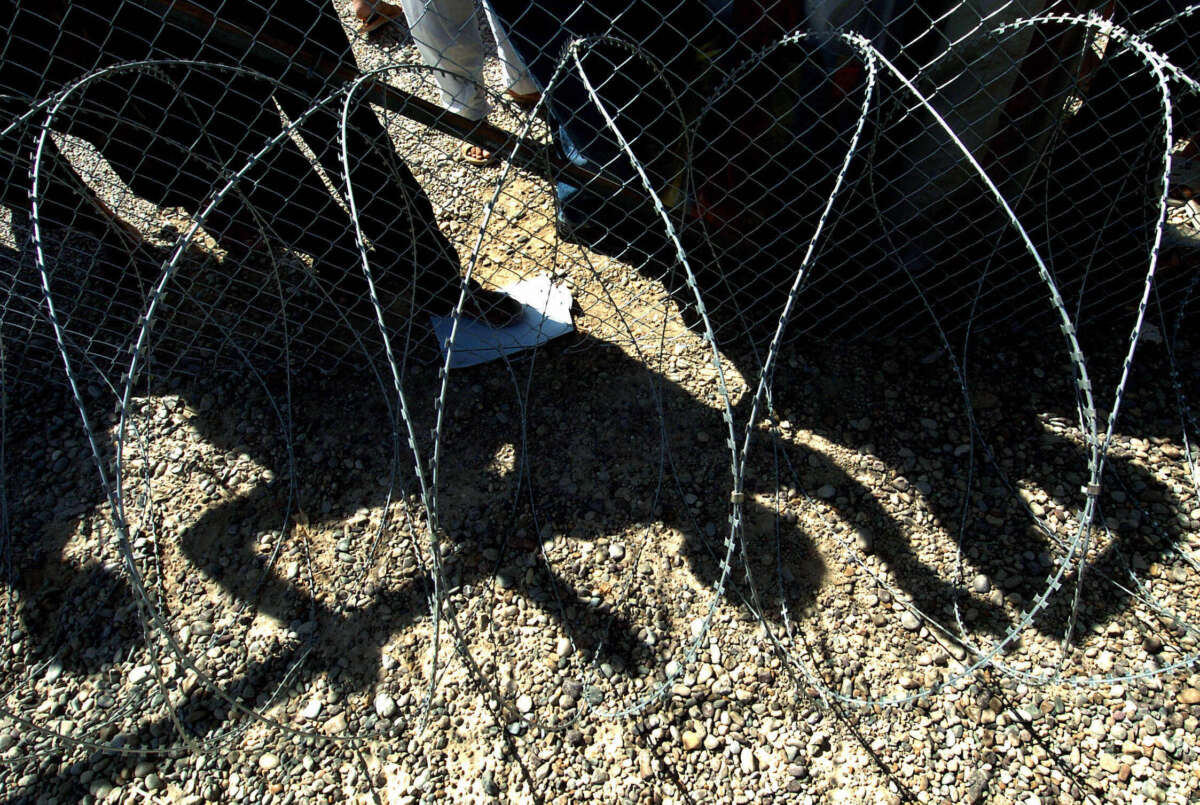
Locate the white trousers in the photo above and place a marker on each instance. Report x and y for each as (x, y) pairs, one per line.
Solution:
(447, 35)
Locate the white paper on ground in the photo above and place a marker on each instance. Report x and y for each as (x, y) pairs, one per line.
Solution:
(547, 315)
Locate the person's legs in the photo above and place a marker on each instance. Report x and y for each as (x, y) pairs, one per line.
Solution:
(517, 80)
(447, 36)
(395, 214)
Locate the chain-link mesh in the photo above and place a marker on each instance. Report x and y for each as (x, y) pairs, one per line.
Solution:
(880, 389)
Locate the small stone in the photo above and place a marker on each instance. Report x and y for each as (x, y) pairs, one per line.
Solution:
(53, 671)
(385, 705)
(981, 584)
(747, 760)
(563, 647)
(7, 741)
(311, 710)
(488, 783)
(827, 491)
(976, 785)
(335, 725)
(692, 740)
(910, 621)
(268, 761)
(524, 703)
(712, 742)
(152, 782)
(1189, 696)
(1152, 644)
(1109, 763)
(798, 770)
(139, 674)
(616, 551)
(864, 539)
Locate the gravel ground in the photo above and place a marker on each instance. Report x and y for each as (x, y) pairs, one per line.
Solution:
(284, 649)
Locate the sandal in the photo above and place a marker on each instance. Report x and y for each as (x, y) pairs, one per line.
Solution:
(488, 158)
(525, 100)
(382, 14)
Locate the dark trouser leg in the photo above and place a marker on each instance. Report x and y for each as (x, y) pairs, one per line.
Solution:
(396, 216)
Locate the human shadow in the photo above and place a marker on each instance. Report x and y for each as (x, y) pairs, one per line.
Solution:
(580, 465)
(618, 438)
(567, 444)
(908, 413)
(50, 485)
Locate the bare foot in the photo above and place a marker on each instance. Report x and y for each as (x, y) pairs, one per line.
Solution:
(476, 155)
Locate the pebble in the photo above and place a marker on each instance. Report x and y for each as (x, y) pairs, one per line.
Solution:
(981, 584)
(524, 703)
(1109, 763)
(385, 705)
(976, 785)
(864, 539)
(563, 647)
(691, 740)
(311, 710)
(336, 725)
(616, 551)
(1189, 696)
(827, 491)
(268, 761)
(910, 621)
(152, 782)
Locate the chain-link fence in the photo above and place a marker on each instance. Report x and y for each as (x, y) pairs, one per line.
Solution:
(879, 393)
